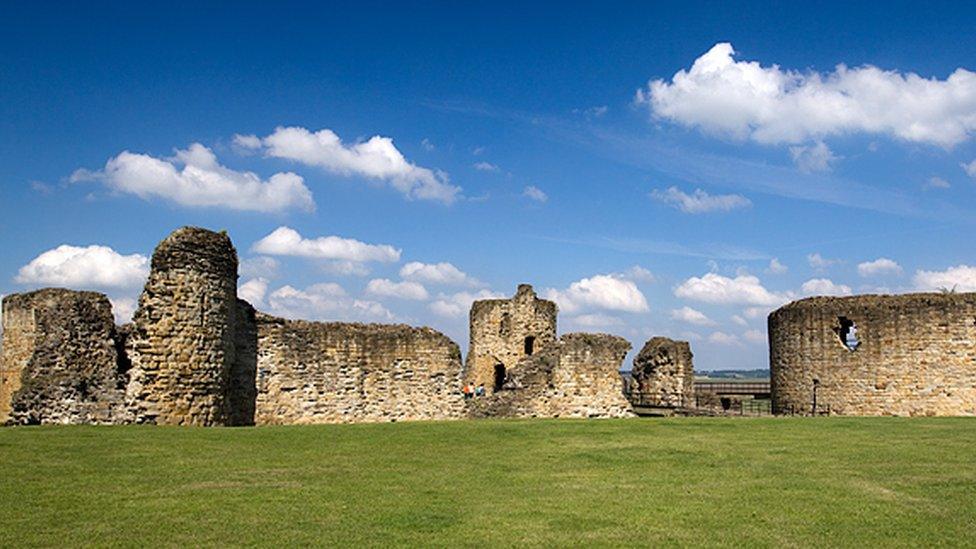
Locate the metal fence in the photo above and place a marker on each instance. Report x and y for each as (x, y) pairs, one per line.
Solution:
(707, 403)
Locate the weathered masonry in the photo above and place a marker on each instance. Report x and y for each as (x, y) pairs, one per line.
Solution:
(195, 354)
(663, 374)
(904, 355)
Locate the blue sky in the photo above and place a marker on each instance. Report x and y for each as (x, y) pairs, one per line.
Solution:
(658, 170)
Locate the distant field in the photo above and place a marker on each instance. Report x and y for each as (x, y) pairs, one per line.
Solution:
(651, 482)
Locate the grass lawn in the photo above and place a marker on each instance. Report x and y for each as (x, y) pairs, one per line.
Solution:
(681, 481)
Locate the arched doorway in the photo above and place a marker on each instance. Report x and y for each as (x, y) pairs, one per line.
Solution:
(499, 376)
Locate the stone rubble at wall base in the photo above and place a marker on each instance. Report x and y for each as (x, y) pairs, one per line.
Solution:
(195, 354)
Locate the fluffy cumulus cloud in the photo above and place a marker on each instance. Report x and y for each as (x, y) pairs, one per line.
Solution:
(595, 320)
(812, 158)
(326, 301)
(607, 292)
(700, 201)
(123, 308)
(722, 338)
(744, 99)
(253, 291)
(714, 288)
(438, 273)
(961, 278)
(824, 286)
(260, 266)
(85, 267)
(535, 193)
(458, 304)
(879, 267)
(637, 274)
(383, 287)
(692, 316)
(287, 241)
(193, 177)
(377, 159)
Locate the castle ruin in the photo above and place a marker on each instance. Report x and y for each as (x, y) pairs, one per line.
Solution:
(905, 355)
(196, 354)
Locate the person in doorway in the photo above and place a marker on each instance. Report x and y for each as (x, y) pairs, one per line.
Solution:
(480, 391)
(467, 391)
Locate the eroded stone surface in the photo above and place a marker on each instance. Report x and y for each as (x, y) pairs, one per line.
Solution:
(912, 355)
(663, 373)
(60, 363)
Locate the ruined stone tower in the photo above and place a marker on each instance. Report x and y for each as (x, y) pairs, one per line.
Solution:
(503, 331)
(663, 373)
(182, 341)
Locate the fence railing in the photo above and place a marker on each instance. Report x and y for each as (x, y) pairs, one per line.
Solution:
(707, 403)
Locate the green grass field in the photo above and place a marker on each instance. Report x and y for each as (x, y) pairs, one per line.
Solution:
(652, 482)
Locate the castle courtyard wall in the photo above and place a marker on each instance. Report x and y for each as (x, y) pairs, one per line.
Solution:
(915, 355)
(663, 373)
(331, 372)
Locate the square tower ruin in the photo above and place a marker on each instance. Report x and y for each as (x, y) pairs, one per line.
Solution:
(503, 332)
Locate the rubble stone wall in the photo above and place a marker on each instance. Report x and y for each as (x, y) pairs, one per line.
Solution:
(500, 329)
(915, 355)
(330, 372)
(182, 342)
(663, 373)
(59, 361)
(576, 377)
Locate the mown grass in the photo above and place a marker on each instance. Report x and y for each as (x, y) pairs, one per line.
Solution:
(650, 482)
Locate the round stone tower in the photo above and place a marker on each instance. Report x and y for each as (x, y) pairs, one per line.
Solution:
(182, 342)
(503, 331)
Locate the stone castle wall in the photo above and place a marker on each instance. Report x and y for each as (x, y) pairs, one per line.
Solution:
(915, 354)
(60, 363)
(503, 330)
(182, 342)
(577, 376)
(331, 372)
(663, 374)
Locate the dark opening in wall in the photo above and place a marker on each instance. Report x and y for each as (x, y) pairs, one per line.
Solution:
(529, 345)
(848, 333)
(499, 377)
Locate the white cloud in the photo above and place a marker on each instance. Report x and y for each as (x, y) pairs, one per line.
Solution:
(123, 308)
(715, 288)
(722, 338)
(458, 304)
(485, 167)
(535, 193)
(326, 301)
(425, 143)
(754, 336)
(770, 105)
(812, 158)
(880, 266)
(700, 201)
(260, 266)
(595, 320)
(287, 241)
(935, 182)
(960, 278)
(193, 177)
(376, 158)
(739, 320)
(438, 273)
(637, 274)
(345, 268)
(820, 262)
(775, 267)
(824, 286)
(383, 287)
(692, 316)
(88, 267)
(253, 291)
(970, 169)
(607, 292)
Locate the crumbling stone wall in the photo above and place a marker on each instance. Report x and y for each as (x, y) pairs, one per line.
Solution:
(663, 374)
(578, 376)
(182, 346)
(331, 372)
(59, 361)
(914, 354)
(504, 331)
